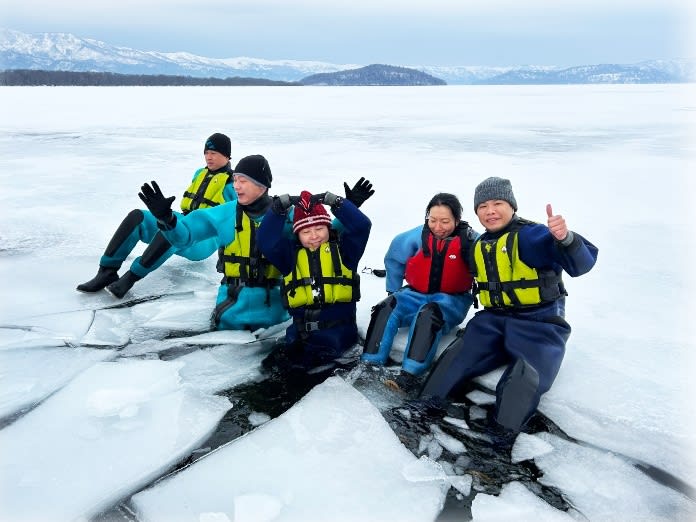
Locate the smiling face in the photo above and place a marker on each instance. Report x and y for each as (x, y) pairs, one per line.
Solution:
(247, 191)
(214, 160)
(495, 214)
(441, 221)
(313, 237)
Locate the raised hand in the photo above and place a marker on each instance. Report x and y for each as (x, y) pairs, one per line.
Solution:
(316, 199)
(281, 204)
(327, 198)
(557, 224)
(361, 191)
(155, 201)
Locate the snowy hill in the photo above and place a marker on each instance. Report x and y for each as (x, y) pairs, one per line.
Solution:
(66, 52)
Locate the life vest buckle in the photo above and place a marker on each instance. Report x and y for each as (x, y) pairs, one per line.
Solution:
(311, 326)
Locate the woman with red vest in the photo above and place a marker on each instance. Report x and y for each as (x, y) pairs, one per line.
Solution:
(433, 259)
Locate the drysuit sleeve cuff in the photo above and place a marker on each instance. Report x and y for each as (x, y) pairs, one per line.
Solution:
(568, 239)
(170, 224)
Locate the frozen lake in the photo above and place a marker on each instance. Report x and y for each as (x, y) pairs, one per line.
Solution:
(92, 411)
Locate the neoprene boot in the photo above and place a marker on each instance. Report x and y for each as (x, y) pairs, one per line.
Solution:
(105, 276)
(502, 439)
(124, 283)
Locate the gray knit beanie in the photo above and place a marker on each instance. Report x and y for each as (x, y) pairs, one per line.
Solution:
(494, 188)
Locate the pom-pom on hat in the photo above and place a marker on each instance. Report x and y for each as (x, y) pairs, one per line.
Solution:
(494, 188)
(308, 215)
(256, 168)
(219, 143)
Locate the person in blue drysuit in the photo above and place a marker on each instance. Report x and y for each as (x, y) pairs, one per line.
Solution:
(248, 297)
(518, 267)
(210, 187)
(320, 281)
(433, 259)
(249, 294)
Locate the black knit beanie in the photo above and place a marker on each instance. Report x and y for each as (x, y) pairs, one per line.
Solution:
(256, 168)
(494, 188)
(219, 143)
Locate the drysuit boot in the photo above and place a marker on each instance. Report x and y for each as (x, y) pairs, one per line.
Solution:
(105, 276)
(123, 284)
(502, 438)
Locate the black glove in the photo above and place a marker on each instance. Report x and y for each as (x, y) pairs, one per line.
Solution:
(160, 206)
(361, 192)
(281, 204)
(316, 199)
(332, 199)
(327, 198)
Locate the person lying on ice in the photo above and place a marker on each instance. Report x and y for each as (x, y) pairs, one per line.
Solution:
(433, 259)
(518, 267)
(249, 293)
(211, 186)
(320, 284)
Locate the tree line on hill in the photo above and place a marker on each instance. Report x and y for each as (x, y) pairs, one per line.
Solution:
(376, 74)
(30, 77)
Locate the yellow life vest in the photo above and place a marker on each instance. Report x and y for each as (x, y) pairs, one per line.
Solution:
(503, 280)
(243, 263)
(320, 277)
(206, 190)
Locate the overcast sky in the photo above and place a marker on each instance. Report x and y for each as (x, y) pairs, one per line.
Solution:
(398, 32)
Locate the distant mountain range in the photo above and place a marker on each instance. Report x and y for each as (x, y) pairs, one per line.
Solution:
(66, 52)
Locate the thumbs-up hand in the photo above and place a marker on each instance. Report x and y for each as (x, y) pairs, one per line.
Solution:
(556, 224)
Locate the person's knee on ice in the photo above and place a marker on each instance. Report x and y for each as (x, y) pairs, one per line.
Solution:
(125, 238)
(517, 395)
(376, 350)
(423, 339)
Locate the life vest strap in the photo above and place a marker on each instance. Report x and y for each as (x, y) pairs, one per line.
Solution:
(304, 326)
(239, 282)
(197, 200)
(550, 286)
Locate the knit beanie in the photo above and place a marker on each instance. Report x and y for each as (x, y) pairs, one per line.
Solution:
(219, 143)
(256, 168)
(306, 215)
(494, 188)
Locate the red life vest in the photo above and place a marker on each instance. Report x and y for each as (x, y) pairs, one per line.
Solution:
(444, 270)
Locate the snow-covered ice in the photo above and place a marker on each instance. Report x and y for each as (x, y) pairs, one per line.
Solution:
(98, 402)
